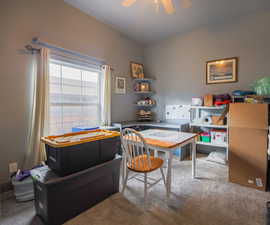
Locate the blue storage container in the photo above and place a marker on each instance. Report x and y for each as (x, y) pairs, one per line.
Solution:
(183, 152)
(83, 128)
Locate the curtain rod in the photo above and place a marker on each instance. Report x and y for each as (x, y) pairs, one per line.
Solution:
(36, 41)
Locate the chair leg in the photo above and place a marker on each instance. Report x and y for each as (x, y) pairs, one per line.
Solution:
(163, 177)
(145, 190)
(125, 181)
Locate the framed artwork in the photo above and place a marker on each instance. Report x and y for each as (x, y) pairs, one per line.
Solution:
(222, 71)
(136, 70)
(120, 85)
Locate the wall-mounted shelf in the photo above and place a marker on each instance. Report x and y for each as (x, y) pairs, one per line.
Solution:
(144, 92)
(143, 79)
(142, 88)
(145, 105)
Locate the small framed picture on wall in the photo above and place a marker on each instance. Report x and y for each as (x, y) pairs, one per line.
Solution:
(222, 71)
(136, 70)
(120, 85)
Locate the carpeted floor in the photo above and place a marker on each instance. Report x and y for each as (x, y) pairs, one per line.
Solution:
(207, 200)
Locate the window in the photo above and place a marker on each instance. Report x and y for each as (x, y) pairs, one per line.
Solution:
(74, 96)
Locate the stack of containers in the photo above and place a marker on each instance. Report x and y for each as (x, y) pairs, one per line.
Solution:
(23, 190)
(82, 170)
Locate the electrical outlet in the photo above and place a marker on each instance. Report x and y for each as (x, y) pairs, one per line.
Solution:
(251, 181)
(259, 182)
(13, 167)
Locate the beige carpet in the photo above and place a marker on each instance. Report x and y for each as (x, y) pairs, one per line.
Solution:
(208, 200)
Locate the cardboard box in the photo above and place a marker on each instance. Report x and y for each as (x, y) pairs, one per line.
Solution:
(218, 120)
(246, 115)
(248, 134)
(208, 100)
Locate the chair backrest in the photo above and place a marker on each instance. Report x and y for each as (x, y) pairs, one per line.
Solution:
(135, 148)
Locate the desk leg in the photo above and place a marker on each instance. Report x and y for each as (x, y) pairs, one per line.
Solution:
(124, 169)
(193, 159)
(169, 173)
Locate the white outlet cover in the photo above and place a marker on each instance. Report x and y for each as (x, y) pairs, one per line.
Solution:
(13, 167)
(259, 182)
(250, 181)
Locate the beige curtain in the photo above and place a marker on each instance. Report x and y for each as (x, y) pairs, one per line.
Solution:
(39, 121)
(106, 96)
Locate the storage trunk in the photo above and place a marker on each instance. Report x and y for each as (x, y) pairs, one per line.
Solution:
(248, 130)
(74, 156)
(58, 199)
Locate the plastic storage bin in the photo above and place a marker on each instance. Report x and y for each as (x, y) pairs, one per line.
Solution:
(205, 137)
(218, 136)
(58, 199)
(70, 153)
(23, 190)
(83, 128)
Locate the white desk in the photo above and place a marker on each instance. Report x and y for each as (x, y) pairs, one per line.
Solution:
(168, 141)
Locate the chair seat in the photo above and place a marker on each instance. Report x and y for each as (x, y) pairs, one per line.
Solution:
(140, 164)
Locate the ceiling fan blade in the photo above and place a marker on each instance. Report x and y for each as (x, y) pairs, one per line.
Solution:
(186, 4)
(128, 3)
(168, 5)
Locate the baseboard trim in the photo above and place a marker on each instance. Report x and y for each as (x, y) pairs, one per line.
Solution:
(5, 187)
(6, 191)
(6, 195)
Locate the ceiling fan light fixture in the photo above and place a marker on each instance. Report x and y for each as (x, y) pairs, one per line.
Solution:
(167, 4)
(128, 3)
(186, 4)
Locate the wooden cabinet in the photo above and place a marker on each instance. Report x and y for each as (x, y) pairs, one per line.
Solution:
(248, 140)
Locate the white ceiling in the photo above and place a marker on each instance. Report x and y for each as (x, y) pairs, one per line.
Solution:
(142, 23)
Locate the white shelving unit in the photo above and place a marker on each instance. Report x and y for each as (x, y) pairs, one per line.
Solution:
(143, 79)
(207, 107)
(211, 144)
(149, 105)
(208, 125)
(196, 114)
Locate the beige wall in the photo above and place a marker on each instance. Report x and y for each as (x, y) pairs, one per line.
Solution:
(57, 23)
(179, 62)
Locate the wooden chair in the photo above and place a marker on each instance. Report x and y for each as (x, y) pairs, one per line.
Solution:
(137, 158)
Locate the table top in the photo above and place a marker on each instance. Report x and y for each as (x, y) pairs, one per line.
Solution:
(150, 124)
(166, 138)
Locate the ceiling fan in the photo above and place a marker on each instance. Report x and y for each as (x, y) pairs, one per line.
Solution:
(167, 4)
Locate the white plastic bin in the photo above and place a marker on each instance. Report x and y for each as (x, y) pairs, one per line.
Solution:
(23, 190)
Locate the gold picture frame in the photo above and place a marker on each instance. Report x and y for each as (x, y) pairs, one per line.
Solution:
(222, 71)
(137, 70)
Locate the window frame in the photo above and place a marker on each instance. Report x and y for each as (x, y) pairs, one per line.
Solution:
(81, 67)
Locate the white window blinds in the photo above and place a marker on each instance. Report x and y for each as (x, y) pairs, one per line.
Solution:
(75, 92)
